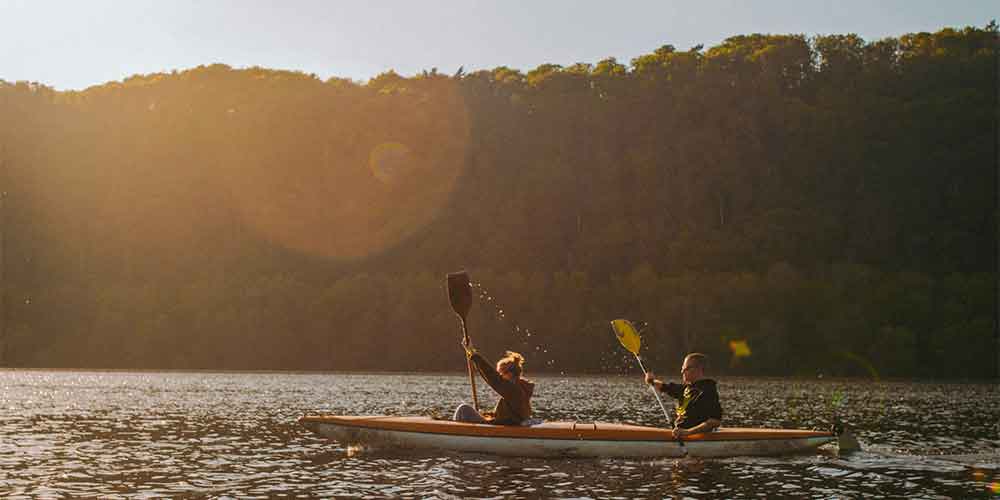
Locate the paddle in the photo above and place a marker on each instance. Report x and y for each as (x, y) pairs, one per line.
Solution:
(629, 338)
(460, 296)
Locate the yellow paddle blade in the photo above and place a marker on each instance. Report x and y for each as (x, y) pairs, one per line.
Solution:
(627, 335)
(740, 348)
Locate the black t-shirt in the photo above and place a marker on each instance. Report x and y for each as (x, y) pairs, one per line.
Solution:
(696, 402)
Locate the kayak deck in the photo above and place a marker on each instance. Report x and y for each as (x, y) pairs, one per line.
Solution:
(560, 439)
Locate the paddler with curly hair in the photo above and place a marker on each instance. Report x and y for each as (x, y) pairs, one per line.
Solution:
(514, 406)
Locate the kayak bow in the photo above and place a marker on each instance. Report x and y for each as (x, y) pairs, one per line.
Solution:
(559, 439)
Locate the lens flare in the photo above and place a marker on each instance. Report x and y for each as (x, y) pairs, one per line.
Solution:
(353, 185)
(389, 161)
(863, 361)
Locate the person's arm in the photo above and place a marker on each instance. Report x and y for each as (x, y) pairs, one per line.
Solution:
(477, 360)
(675, 391)
(706, 426)
(490, 375)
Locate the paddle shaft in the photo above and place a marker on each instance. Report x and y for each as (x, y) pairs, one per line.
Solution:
(460, 296)
(472, 377)
(655, 392)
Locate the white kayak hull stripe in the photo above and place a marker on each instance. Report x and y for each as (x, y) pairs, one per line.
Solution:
(556, 447)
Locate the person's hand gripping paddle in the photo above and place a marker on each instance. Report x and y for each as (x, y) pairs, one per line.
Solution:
(460, 296)
(629, 338)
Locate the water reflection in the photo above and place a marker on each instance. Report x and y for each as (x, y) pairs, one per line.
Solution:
(175, 434)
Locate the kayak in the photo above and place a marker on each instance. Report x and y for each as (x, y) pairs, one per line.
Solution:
(559, 439)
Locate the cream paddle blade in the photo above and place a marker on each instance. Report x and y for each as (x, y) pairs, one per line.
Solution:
(460, 296)
(627, 335)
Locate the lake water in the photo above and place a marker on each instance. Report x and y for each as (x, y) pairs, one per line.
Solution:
(192, 434)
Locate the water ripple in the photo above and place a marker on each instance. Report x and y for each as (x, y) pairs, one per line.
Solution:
(146, 435)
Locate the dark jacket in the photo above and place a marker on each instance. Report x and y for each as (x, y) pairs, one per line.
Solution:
(696, 402)
(514, 406)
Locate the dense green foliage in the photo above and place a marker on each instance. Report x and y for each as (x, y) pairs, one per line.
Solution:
(830, 201)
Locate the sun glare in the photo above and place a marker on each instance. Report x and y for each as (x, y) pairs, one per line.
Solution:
(369, 192)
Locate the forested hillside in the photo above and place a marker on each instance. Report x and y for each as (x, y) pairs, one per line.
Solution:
(830, 201)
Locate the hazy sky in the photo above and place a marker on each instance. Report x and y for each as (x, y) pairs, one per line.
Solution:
(78, 43)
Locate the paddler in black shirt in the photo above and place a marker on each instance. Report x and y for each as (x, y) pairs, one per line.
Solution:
(698, 408)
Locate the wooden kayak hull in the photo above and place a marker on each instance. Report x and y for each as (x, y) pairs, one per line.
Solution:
(559, 439)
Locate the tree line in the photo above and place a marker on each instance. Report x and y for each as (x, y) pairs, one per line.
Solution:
(829, 201)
